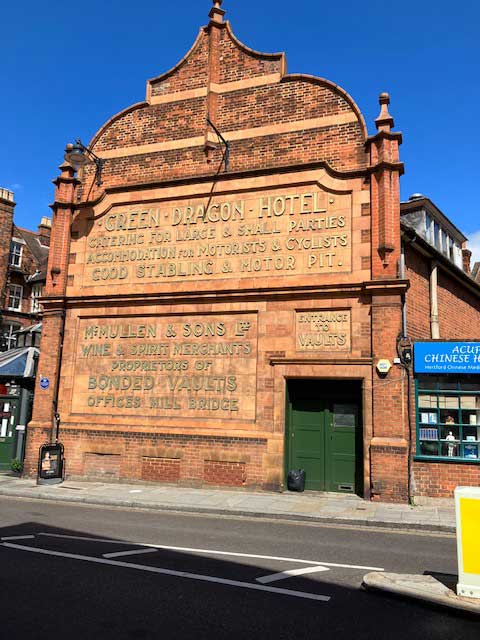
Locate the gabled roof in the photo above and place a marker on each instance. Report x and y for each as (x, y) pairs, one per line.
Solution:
(39, 250)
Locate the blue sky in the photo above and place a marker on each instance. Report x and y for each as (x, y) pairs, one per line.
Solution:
(66, 68)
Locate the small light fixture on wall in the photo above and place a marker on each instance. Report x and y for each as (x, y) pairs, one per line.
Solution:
(405, 350)
(77, 155)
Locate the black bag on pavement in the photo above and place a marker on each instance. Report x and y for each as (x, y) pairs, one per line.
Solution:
(296, 480)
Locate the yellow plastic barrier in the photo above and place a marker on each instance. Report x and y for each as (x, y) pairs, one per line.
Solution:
(467, 508)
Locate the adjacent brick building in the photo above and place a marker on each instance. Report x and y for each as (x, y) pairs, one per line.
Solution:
(218, 316)
(23, 267)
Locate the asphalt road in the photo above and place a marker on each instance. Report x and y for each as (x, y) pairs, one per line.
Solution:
(82, 572)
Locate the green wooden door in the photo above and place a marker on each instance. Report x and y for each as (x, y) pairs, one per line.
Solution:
(8, 422)
(340, 447)
(323, 435)
(307, 442)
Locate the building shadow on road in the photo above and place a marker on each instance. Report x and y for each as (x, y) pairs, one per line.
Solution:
(71, 583)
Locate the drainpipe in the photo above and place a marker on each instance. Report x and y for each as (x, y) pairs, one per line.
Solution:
(404, 303)
(434, 326)
(404, 337)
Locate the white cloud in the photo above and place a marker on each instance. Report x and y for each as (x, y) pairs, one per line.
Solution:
(16, 187)
(474, 246)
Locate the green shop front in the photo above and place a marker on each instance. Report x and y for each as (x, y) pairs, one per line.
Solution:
(447, 399)
(17, 374)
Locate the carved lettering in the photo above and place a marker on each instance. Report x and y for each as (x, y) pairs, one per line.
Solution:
(171, 366)
(327, 330)
(252, 236)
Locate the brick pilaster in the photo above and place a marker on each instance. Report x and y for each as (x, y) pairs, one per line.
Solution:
(385, 194)
(389, 445)
(41, 428)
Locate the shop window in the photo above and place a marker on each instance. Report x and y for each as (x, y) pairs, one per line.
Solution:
(448, 417)
(15, 297)
(16, 251)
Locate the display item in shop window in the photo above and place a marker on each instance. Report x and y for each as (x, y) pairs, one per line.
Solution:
(471, 451)
(450, 446)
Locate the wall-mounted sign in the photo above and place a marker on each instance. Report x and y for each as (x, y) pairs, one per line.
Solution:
(323, 330)
(447, 357)
(283, 232)
(191, 366)
(44, 383)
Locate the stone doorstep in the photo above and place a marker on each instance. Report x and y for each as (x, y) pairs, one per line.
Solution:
(425, 588)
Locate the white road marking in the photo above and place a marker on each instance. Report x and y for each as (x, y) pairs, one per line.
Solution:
(170, 572)
(17, 537)
(132, 552)
(215, 552)
(281, 575)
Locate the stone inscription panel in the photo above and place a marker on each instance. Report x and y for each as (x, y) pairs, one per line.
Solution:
(323, 330)
(167, 366)
(306, 232)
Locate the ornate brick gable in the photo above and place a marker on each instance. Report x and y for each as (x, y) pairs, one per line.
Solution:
(270, 118)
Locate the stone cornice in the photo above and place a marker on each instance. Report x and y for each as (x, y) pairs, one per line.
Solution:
(370, 288)
(317, 360)
(224, 177)
(390, 166)
(384, 135)
(62, 204)
(8, 203)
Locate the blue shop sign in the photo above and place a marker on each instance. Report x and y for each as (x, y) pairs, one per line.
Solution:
(446, 357)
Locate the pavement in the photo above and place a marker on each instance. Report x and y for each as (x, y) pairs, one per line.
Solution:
(428, 514)
(421, 587)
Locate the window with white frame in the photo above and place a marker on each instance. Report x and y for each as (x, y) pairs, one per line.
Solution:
(428, 228)
(437, 236)
(9, 340)
(16, 251)
(34, 298)
(15, 297)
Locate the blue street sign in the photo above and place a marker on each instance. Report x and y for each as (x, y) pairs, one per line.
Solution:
(446, 357)
(44, 383)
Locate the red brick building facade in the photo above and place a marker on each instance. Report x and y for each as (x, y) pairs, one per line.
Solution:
(23, 265)
(215, 324)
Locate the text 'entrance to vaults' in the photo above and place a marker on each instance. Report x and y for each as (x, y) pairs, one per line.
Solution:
(324, 433)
